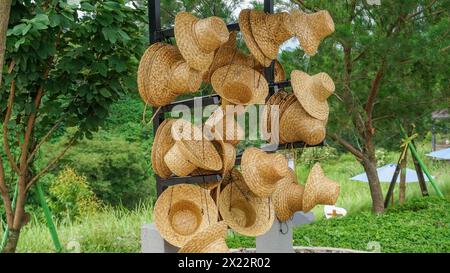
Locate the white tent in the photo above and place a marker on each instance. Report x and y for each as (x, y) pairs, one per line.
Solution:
(386, 173)
(441, 154)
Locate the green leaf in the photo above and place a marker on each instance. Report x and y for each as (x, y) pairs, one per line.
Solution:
(123, 35)
(17, 30)
(101, 68)
(87, 7)
(105, 93)
(55, 19)
(110, 34)
(19, 42)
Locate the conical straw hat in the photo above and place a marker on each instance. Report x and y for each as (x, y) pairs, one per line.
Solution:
(288, 197)
(191, 150)
(262, 170)
(319, 190)
(296, 125)
(242, 211)
(182, 211)
(197, 39)
(245, 27)
(312, 92)
(240, 84)
(210, 240)
(163, 75)
(269, 31)
(162, 143)
(310, 29)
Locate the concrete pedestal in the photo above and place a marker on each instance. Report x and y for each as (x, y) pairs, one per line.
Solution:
(152, 242)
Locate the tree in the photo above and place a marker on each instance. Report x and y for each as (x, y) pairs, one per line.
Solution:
(388, 61)
(5, 7)
(68, 63)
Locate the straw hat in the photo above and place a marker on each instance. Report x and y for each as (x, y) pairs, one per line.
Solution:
(163, 75)
(242, 211)
(313, 92)
(262, 170)
(210, 240)
(223, 126)
(288, 197)
(191, 150)
(269, 31)
(296, 125)
(240, 84)
(182, 211)
(310, 29)
(199, 38)
(246, 30)
(274, 100)
(319, 190)
(162, 142)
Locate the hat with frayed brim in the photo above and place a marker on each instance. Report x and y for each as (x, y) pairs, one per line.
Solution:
(288, 197)
(242, 211)
(182, 211)
(198, 39)
(162, 143)
(312, 92)
(240, 84)
(262, 171)
(210, 240)
(319, 189)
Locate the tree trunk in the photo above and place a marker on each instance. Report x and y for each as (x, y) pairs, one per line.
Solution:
(5, 8)
(13, 239)
(374, 185)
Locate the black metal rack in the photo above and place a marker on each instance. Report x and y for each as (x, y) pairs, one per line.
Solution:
(157, 34)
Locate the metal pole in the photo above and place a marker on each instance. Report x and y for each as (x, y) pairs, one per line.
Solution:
(154, 20)
(6, 234)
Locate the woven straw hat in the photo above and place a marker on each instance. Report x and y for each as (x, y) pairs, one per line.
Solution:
(275, 99)
(288, 197)
(182, 211)
(242, 211)
(191, 150)
(310, 29)
(246, 30)
(163, 75)
(240, 84)
(210, 240)
(269, 31)
(224, 126)
(313, 92)
(319, 190)
(197, 39)
(296, 125)
(162, 142)
(262, 171)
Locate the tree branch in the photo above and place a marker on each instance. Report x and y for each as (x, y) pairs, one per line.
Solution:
(9, 107)
(45, 138)
(372, 95)
(5, 196)
(348, 146)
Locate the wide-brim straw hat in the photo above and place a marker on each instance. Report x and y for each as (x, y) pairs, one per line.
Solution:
(262, 171)
(269, 31)
(310, 29)
(197, 38)
(223, 126)
(296, 125)
(191, 150)
(246, 30)
(245, 213)
(182, 211)
(319, 189)
(240, 84)
(288, 197)
(162, 142)
(210, 240)
(162, 75)
(312, 92)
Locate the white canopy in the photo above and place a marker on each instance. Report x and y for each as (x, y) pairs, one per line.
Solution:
(441, 154)
(386, 173)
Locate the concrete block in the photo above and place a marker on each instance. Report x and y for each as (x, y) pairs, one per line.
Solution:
(152, 242)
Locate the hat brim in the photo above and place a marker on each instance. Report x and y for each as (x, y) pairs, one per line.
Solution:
(162, 143)
(210, 240)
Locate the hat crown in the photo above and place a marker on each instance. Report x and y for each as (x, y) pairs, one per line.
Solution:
(276, 24)
(322, 86)
(320, 189)
(295, 196)
(183, 78)
(272, 167)
(210, 33)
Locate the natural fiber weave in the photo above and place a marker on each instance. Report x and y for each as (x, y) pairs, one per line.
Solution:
(310, 29)
(288, 197)
(223, 126)
(319, 189)
(312, 92)
(182, 211)
(161, 145)
(262, 171)
(269, 111)
(210, 240)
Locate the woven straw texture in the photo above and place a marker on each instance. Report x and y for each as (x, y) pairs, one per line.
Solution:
(288, 197)
(210, 240)
(223, 126)
(319, 190)
(161, 145)
(182, 211)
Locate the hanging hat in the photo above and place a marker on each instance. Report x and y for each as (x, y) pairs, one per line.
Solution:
(288, 197)
(269, 31)
(269, 111)
(246, 30)
(242, 211)
(319, 189)
(162, 143)
(296, 125)
(197, 39)
(163, 75)
(240, 84)
(312, 92)
(310, 29)
(182, 211)
(262, 170)
(210, 240)
(191, 150)
(224, 127)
